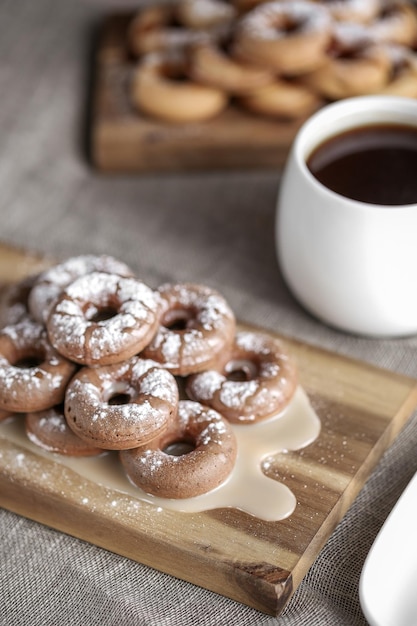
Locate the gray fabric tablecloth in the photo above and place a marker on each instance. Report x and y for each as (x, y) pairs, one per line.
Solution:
(210, 227)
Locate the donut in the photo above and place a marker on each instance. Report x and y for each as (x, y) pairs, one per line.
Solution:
(355, 66)
(208, 463)
(121, 406)
(362, 11)
(161, 88)
(196, 326)
(212, 64)
(49, 430)
(257, 381)
(205, 14)
(156, 28)
(403, 79)
(287, 37)
(283, 98)
(14, 301)
(33, 375)
(397, 23)
(101, 319)
(49, 284)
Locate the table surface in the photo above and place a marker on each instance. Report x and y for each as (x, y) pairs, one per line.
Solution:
(211, 227)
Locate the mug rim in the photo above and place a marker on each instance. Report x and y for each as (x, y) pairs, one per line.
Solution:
(349, 111)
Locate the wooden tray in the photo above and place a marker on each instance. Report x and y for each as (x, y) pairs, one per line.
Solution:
(123, 141)
(259, 563)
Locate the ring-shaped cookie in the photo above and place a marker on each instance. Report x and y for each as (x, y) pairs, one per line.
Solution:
(403, 79)
(207, 465)
(122, 406)
(196, 326)
(101, 319)
(33, 376)
(360, 11)
(49, 285)
(287, 37)
(49, 430)
(256, 382)
(162, 89)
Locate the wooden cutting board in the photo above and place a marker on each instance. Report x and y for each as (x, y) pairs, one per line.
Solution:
(259, 563)
(121, 140)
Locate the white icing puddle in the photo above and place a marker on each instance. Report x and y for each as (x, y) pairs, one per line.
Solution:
(247, 488)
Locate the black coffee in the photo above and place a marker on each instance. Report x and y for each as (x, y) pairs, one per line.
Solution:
(375, 164)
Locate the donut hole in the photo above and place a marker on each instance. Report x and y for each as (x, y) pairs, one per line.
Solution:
(118, 394)
(29, 360)
(119, 398)
(178, 319)
(103, 313)
(241, 370)
(179, 447)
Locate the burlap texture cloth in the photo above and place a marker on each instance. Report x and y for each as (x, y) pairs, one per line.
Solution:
(210, 227)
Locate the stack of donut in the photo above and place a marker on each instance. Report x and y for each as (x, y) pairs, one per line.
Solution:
(95, 360)
(281, 58)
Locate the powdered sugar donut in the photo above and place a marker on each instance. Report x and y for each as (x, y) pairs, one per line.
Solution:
(397, 23)
(49, 284)
(403, 77)
(162, 88)
(289, 99)
(207, 465)
(33, 376)
(257, 381)
(288, 37)
(156, 28)
(355, 65)
(212, 64)
(121, 406)
(197, 325)
(205, 14)
(49, 430)
(362, 11)
(103, 318)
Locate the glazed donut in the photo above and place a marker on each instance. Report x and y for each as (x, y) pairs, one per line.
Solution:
(49, 430)
(287, 37)
(362, 11)
(396, 24)
(283, 98)
(196, 326)
(257, 381)
(101, 319)
(155, 28)
(14, 301)
(33, 376)
(354, 66)
(206, 466)
(210, 64)
(49, 284)
(403, 81)
(205, 14)
(162, 89)
(121, 406)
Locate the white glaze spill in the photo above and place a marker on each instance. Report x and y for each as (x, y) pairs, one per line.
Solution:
(247, 488)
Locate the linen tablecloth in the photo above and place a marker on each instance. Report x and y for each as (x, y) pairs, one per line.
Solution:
(210, 227)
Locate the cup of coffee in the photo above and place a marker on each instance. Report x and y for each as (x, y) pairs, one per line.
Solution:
(346, 226)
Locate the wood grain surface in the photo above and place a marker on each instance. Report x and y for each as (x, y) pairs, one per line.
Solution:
(122, 140)
(259, 563)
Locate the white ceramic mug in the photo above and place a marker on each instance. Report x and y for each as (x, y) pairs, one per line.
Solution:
(351, 264)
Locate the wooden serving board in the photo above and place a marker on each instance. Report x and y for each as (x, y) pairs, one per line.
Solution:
(259, 563)
(122, 140)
